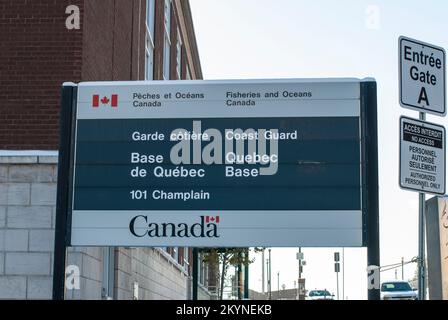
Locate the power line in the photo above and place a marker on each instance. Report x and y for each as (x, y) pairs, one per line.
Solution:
(397, 265)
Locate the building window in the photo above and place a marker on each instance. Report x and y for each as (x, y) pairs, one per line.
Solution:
(108, 280)
(167, 40)
(186, 258)
(178, 55)
(175, 253)
(201, 268)
(149, 43)
(188, 73)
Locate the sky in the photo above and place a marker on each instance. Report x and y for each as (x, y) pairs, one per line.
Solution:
(256, 39)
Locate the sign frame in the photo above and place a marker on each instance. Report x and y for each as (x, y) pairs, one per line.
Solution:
(400, 155)
(369, 172)
(324, 85)
(400, 72)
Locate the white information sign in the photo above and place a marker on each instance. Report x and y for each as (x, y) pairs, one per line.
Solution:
(422, 156)
(220, 163)
(422, 76)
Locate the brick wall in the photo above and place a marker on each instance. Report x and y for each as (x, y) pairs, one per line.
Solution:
(114, 40)
(37, 54)
(27, 219)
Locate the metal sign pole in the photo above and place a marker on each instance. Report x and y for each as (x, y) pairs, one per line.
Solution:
(343, 276)
(370, 171)
(337, 284)
(421, 247)
(195, 273)
(246, 277)
(421, 238)
(60, 247)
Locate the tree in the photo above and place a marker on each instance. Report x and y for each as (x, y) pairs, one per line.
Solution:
(226, 257)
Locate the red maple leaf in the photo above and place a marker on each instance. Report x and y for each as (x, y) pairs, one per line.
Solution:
(105, 100)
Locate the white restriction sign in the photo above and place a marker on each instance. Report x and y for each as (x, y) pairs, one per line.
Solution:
(422, 76)
(422, 156)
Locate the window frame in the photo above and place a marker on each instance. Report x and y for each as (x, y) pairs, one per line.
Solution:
(179, 45)
(149, 39)
(166, 70)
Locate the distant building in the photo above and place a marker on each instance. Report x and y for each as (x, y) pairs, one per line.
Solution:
(116, 40)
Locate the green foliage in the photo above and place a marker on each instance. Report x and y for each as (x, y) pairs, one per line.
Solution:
(232, 256)
(226, 257)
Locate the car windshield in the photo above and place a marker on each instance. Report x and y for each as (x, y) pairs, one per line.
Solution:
(396, 286)
(319, 293)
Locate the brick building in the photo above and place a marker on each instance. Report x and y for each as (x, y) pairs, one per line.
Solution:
(41, 47)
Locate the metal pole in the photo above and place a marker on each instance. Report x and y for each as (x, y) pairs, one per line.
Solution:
(246, 277)
(297, 293)
(299, 262)
(278, 284)
(343, 276)
(262, 271)
(269, 274)
(63, 188)
(402, 268)
(195, 272)
(370, 172)
(337, 285)
(238, 281)
(267, 278)
(421, 238)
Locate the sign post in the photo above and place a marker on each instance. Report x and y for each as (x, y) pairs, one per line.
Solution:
(422, 88)
(68, 100)
(337, 269)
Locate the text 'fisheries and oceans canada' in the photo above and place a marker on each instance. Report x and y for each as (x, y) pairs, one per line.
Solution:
(230, 98)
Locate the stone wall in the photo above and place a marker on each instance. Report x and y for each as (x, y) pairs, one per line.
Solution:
(27, 209)
(27, 218)
(158, 276)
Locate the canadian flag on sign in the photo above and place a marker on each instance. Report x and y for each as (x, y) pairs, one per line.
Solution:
(209, 219)
(112, 100)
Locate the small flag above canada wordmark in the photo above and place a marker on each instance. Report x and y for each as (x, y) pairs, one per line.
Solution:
(212, 219)
(112, 101)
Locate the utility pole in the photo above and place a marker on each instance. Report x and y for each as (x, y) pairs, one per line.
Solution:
(267, 277)
(278, 284)
(336, 270)
(402, 268)
(262, 271)
(343, 275)
(269, 274)
(337, 284)
(300, 263)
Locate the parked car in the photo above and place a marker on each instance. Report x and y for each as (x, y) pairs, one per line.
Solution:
(319, 295)
(397, 290)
